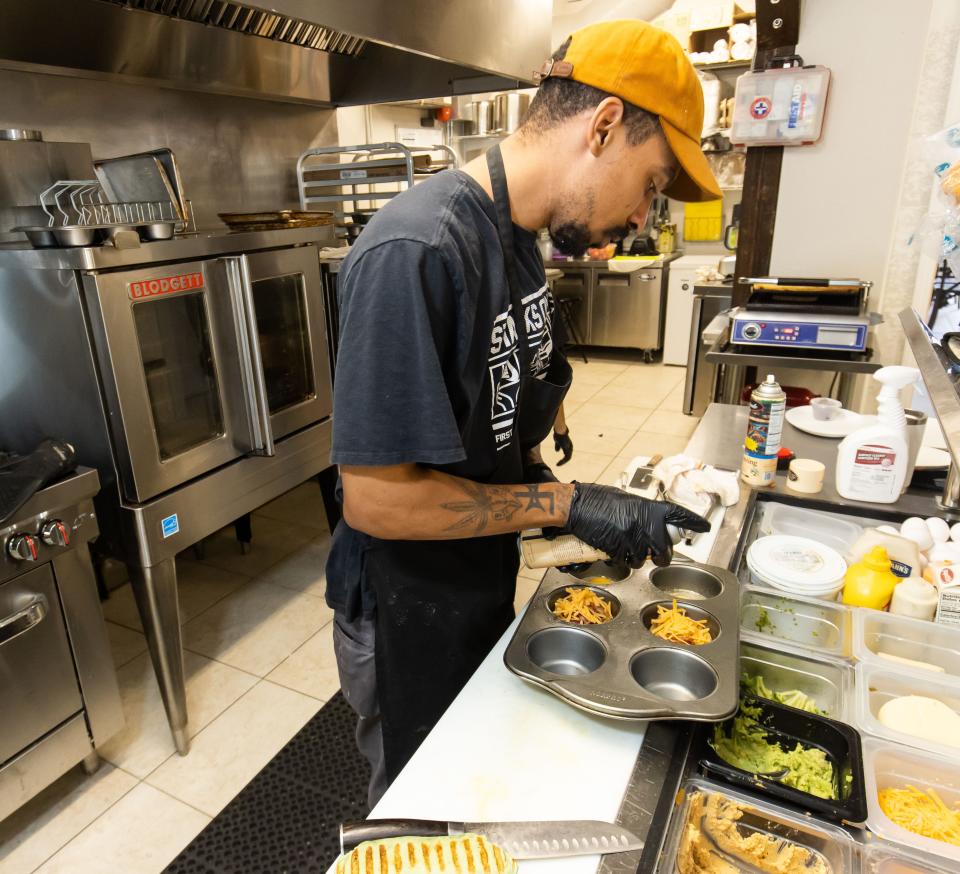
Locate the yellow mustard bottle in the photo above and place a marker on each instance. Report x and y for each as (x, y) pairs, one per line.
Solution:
(870, 582)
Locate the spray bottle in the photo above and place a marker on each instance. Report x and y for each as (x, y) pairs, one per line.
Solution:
(872, 461)
(768, 404)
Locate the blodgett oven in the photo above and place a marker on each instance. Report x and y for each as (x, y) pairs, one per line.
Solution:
(194, 374)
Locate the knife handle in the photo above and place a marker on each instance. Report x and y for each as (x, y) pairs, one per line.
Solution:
(353, 833)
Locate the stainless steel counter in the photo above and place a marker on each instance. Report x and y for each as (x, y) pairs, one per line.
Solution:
(663, 760)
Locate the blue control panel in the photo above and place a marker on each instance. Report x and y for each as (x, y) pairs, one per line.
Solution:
(759, 330)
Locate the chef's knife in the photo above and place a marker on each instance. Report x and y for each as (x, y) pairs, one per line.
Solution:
(522, 840)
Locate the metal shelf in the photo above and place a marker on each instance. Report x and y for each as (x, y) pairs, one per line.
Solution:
(351, 174)
(724, 65)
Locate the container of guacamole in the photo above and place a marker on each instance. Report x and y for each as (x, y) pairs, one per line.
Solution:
(822, 757)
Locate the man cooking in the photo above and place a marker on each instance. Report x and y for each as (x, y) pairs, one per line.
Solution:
(448, 378)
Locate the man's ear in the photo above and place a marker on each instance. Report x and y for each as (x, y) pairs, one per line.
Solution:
(604, 120)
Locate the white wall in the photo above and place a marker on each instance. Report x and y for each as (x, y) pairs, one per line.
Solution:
(375, 123)
(838, 198)
(849, 204)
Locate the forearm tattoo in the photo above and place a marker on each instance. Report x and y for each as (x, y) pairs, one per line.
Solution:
(490, 503)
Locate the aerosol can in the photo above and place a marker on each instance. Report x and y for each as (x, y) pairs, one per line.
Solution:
(538, 552)
(768, 405)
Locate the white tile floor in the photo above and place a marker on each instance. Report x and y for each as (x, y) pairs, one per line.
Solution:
(259, 652)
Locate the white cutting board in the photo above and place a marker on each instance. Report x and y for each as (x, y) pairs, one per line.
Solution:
(507, 750)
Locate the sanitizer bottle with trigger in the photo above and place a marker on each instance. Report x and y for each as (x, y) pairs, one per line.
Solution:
(872, 461)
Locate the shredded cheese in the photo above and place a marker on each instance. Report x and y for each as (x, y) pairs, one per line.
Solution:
(583, 606)
(673, 624)
(922, 813)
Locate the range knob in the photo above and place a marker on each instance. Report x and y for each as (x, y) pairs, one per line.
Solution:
(751, 331)
(23, 547)
(55, 533)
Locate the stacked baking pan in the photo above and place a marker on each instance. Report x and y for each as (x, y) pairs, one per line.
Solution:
(619, 668)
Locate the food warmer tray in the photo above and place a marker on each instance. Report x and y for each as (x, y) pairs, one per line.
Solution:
(619, 669)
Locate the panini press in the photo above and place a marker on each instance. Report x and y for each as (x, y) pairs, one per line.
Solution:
(820, 315)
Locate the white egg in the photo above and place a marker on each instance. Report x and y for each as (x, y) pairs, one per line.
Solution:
(916, 529)
(955, 533)
(945, 552)
(939, 529)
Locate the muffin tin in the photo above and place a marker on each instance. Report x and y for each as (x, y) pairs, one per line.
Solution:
(619, 668)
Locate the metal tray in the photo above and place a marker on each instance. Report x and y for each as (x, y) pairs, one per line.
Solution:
(619, 669)
(283, 218)
(806, 624)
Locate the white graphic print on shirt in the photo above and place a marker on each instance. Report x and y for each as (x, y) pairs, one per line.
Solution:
(504, 362)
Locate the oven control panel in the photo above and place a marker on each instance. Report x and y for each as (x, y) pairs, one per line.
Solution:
(27, 546)
(848, 333)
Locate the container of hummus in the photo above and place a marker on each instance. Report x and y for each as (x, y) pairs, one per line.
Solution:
(718, 831)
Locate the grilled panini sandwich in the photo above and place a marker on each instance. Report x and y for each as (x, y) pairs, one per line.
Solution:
(458, 854)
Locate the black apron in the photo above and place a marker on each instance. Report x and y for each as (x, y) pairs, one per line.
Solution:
(442, 605)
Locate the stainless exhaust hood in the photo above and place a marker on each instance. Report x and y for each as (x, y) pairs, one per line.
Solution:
(326, 52)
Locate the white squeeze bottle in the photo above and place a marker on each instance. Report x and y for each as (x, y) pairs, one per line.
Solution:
(872, 461)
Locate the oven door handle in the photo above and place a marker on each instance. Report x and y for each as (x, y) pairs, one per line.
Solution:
(23, 620)
(251, 364)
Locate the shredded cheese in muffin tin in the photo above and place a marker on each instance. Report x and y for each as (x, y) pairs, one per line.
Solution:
(583, 607)
(673, 624)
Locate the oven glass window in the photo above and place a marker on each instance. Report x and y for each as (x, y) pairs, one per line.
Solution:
(174, 337)
(281, 308)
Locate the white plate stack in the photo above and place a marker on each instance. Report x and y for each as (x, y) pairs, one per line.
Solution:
(797, 566)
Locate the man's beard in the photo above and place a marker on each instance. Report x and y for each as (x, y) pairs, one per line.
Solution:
(573, 238)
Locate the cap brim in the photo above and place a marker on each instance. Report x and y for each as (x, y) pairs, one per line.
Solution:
(694, 181)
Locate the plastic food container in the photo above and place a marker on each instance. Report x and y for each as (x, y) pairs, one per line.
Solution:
(886, 858)
(829, 684)
(876, 632)
(826, 528)
(808, 623)
(876, 686)
(825, 843)
(788, 727)
(887, 765)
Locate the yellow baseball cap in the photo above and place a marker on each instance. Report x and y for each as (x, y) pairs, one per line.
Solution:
(646, 66)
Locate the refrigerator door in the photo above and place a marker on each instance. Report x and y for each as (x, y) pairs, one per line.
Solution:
(627, 309)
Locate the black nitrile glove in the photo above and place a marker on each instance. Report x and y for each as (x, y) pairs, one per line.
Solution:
(563, 443)
(627, 527)
(538, 472)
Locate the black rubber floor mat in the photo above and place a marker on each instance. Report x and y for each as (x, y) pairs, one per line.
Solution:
(285, 820)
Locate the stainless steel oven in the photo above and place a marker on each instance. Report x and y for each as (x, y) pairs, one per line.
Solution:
(206, 361)
(193, 374)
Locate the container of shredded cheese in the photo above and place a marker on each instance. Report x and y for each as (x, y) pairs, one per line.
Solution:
(913, 798)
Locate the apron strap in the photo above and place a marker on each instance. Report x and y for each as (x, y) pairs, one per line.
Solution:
(501, 201)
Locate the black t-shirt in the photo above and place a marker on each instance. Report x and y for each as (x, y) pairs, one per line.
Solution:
(427, 369)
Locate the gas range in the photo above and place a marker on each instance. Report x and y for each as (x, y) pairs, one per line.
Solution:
(57, 678)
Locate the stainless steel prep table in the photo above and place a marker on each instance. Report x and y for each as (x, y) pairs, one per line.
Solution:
(618, 309)
(664, 762)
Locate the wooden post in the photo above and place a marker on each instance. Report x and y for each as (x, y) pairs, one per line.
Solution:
(778, 31)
